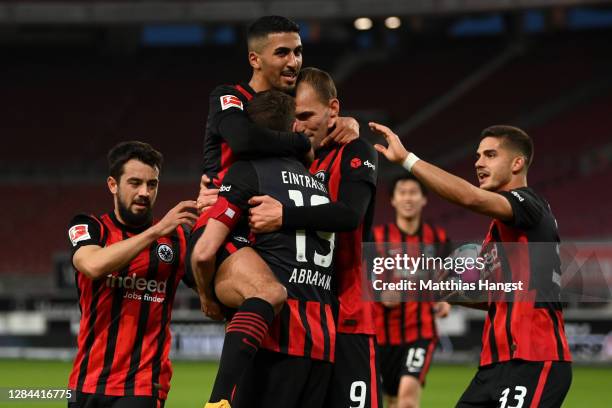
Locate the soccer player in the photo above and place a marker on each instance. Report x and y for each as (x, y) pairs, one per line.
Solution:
(525, 360)
(128, 270)
(293, 366)
(406, 331)
(275, 55)
(349, 171)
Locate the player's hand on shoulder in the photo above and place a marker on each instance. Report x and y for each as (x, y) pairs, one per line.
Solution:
(346, 130)
(395, 151)
(207, 197)
(184, 212)
(442, 309)
(266, 215)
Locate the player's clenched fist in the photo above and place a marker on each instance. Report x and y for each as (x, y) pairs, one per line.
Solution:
(266, 215)
(184, 212)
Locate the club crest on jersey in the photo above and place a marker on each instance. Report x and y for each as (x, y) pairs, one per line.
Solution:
(321, 175)
(355, 162)
(229, 101)
(165, 253)
(78, 233)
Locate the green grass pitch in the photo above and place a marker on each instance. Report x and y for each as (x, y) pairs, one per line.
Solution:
(192, 381)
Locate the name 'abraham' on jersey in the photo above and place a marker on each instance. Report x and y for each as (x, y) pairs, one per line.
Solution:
(412, 320)
(301, 260)
(527, 330)
(124, 337)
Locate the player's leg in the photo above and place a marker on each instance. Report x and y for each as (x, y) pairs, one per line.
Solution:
(244, 275)
(275, 380)
(391, 360)
(245, 282)
(537, 384)
(482, 390)
(355, 379)
(409, 393)
(553, 389)
(317, 385)
(416, 362)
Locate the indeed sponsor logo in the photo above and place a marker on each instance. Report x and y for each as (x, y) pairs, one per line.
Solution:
(133, 282)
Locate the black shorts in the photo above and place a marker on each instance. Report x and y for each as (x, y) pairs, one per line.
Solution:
(280, 380)
(411, 359)
(84, 400)
(519, 383)
(355, 381)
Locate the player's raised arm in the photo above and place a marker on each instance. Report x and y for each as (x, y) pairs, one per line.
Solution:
(443, 183)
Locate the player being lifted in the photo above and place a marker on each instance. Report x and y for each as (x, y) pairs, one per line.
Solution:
(293, 367)
(525, 359)
(406, 330)
(349, 171)
(275, 55)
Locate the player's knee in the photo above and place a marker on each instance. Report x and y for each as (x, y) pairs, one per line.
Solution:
(408, 402)
(275, 294)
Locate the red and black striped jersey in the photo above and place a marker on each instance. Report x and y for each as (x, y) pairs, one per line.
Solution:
(526, 330)
(124, 334)
(231, 135)
(223, 101)
(356, 161)
(411, 320)
(302, 260)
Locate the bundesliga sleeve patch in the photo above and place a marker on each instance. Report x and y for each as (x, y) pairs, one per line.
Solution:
(78, 233)
(230, 101)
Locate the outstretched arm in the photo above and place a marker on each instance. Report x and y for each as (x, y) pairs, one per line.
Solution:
(446, 185)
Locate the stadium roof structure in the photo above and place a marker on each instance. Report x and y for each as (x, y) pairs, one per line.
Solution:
(134, 11)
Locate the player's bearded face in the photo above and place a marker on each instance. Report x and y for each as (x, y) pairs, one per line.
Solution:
(135, 193)
(408, 199)
(493, 164)
(281, 60)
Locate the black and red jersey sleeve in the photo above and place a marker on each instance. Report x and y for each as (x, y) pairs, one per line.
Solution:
(240, 184)
(527, 208)
(359, 162)
(84, 230)
(225, 100)
(228, 118)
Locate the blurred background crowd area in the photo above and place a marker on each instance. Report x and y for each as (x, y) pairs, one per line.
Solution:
(79, 76)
